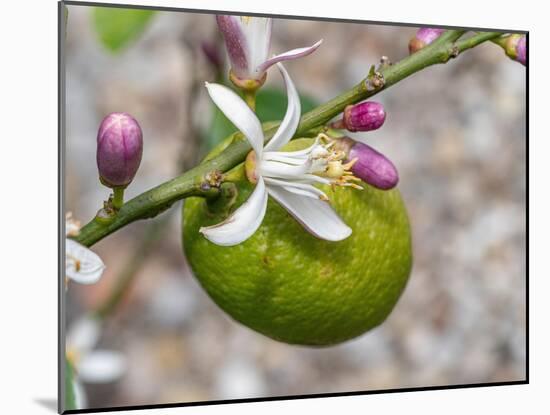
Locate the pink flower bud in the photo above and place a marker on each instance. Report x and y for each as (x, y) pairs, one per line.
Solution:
(366, 116)
(424, 36)
(370, 166)
(515, 47)
(119, 149)
(521, 50)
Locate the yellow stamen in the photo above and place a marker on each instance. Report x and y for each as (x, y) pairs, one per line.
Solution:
(335, 169)
(77, 263)
(326, 139)
(350, 164)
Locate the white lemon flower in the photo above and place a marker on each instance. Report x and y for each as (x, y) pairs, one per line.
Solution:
(287, 177)
(248, 40)
(81, 264)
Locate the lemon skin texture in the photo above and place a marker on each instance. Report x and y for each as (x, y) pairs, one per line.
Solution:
(293, 287)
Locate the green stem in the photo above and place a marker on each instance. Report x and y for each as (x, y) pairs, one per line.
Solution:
(154, 201)
(195, 182)
(501, 41)
(475, 40)
(118, 197)
(236, 174)
(250, 98)
(439, 51)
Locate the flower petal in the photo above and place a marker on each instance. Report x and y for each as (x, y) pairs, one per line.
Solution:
(83, 334)
(291, 54)
(82, 264)
(281, 158)
(236, 44)
(298, 153)
(257, 31)
(304, 189)
(292, 116)
(315, 215)
(101, 366)
(242, 223)
(311, 178)
(239, 114)
(275, 169)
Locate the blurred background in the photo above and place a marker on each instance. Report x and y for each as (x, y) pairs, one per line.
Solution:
(456, 133)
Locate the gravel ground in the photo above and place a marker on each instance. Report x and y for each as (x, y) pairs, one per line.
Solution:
(456, 134)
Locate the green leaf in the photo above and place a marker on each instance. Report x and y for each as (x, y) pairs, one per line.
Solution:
(116, 28)
(70, 397)
(270, 106)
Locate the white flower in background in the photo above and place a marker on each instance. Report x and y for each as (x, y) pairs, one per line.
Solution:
(248, 40)
(92, 366)
(288, 177)
(81, 264)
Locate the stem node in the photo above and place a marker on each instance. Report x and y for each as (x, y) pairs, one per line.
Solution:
(375, 82)
(454, 52)
(213, 178)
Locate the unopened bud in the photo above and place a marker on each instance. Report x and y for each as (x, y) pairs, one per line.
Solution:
(515, 48)
(424, 36)
(366, 116)
(521, 50)
(119, 149)
(370, 166)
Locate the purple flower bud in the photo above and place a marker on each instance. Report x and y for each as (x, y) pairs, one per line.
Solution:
(366, 116)
(521, 50)
(119, 149)
(370, 166)
(424, 36)
(515, 47)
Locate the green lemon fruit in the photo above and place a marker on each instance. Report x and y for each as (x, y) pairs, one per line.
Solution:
(293, 287)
